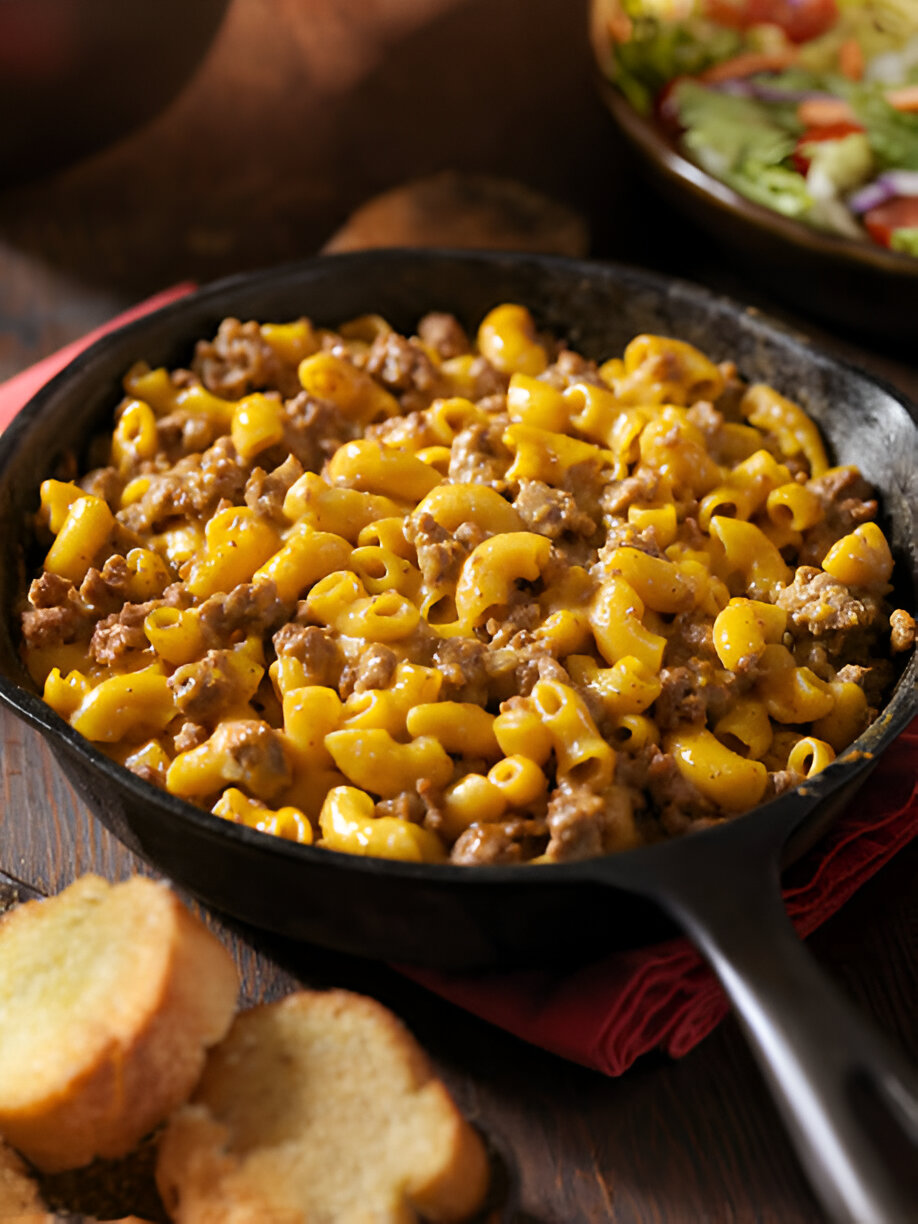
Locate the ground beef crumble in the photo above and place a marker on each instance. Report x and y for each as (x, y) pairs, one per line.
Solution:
(375, 669)
(105, 482)
(444, 334)
(618, 495)
(693, 694)
(569, 368)
(678, 802)
(818, 605)
(121, 632)
(902, 627)
(575, 823)
(403, 367)
(250, 607)
(315, 648)
(254, 756)
(239, 360)
(407, 806)
(440, 553)
(57, 615)
(479, 456)
(551, 512)
(847, 500)
(203, 689)
(265, 491)
(461, 663)
(104, 591)
(499, 844)
(190, 735)
(314, 430)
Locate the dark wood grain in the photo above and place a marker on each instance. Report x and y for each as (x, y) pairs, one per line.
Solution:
(301, 111)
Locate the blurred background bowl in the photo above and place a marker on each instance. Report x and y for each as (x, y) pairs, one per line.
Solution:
(77, 74)
(863, 288)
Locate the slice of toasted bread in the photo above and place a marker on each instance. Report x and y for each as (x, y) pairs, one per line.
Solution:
(449, 209)
(109, 995)
(321, 1107)
(18, 1192)
(48, 1217)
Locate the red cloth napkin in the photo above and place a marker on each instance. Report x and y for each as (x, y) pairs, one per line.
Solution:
(665, 997)
(607, 1014)
(19, 389)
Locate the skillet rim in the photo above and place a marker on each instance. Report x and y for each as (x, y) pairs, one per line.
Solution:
(857, 758)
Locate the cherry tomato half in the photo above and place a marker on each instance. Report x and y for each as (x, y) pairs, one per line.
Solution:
(666, 109)
(800, 20)
(885, 219)
(828, 131)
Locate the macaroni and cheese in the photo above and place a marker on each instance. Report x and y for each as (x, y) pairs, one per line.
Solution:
(435, 598)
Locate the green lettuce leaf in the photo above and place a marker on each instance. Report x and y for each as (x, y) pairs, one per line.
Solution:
(776, 187)
(878, 18)
(658, 51)
(893, 134)
(723, 131)
(803, 80)
(879, 26)
(744, 143)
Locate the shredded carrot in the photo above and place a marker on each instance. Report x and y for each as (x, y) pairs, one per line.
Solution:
(820, 112)
(904, 99)
(748, 63)
(851, 59)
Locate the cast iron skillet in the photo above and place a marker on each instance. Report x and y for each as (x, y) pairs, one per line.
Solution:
(829, 1071)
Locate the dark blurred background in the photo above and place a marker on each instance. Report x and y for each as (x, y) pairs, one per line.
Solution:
(296, 112)
(300, 110)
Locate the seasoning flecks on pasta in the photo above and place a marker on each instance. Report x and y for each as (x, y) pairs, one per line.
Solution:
(486, 601)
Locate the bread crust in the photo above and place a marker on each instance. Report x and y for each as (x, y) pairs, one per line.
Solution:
(18, 1192)
(132, 1065)
(47, 1217)
(478, 211)
(213, 1169)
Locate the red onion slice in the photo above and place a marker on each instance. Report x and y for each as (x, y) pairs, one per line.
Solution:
(887, 187)
(762, 91)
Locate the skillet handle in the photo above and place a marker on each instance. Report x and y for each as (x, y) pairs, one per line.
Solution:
(849, 1100)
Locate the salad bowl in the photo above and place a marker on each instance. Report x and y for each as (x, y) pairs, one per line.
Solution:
(808, 176)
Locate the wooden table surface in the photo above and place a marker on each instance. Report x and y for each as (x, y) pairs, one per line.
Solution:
(304, 108)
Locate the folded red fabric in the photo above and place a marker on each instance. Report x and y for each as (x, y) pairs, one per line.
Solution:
(609, 1013)
(19, 389)
(664, 997)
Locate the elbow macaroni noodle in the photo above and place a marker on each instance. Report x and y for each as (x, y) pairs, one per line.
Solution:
(498, 605)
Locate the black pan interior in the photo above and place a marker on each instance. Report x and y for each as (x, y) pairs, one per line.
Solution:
(457, 917)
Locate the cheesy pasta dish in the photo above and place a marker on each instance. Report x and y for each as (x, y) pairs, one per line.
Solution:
(471, 599)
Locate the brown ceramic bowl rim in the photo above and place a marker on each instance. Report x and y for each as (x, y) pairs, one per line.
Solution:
(646, 135)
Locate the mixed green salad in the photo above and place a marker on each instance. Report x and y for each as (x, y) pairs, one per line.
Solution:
(809, 107)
